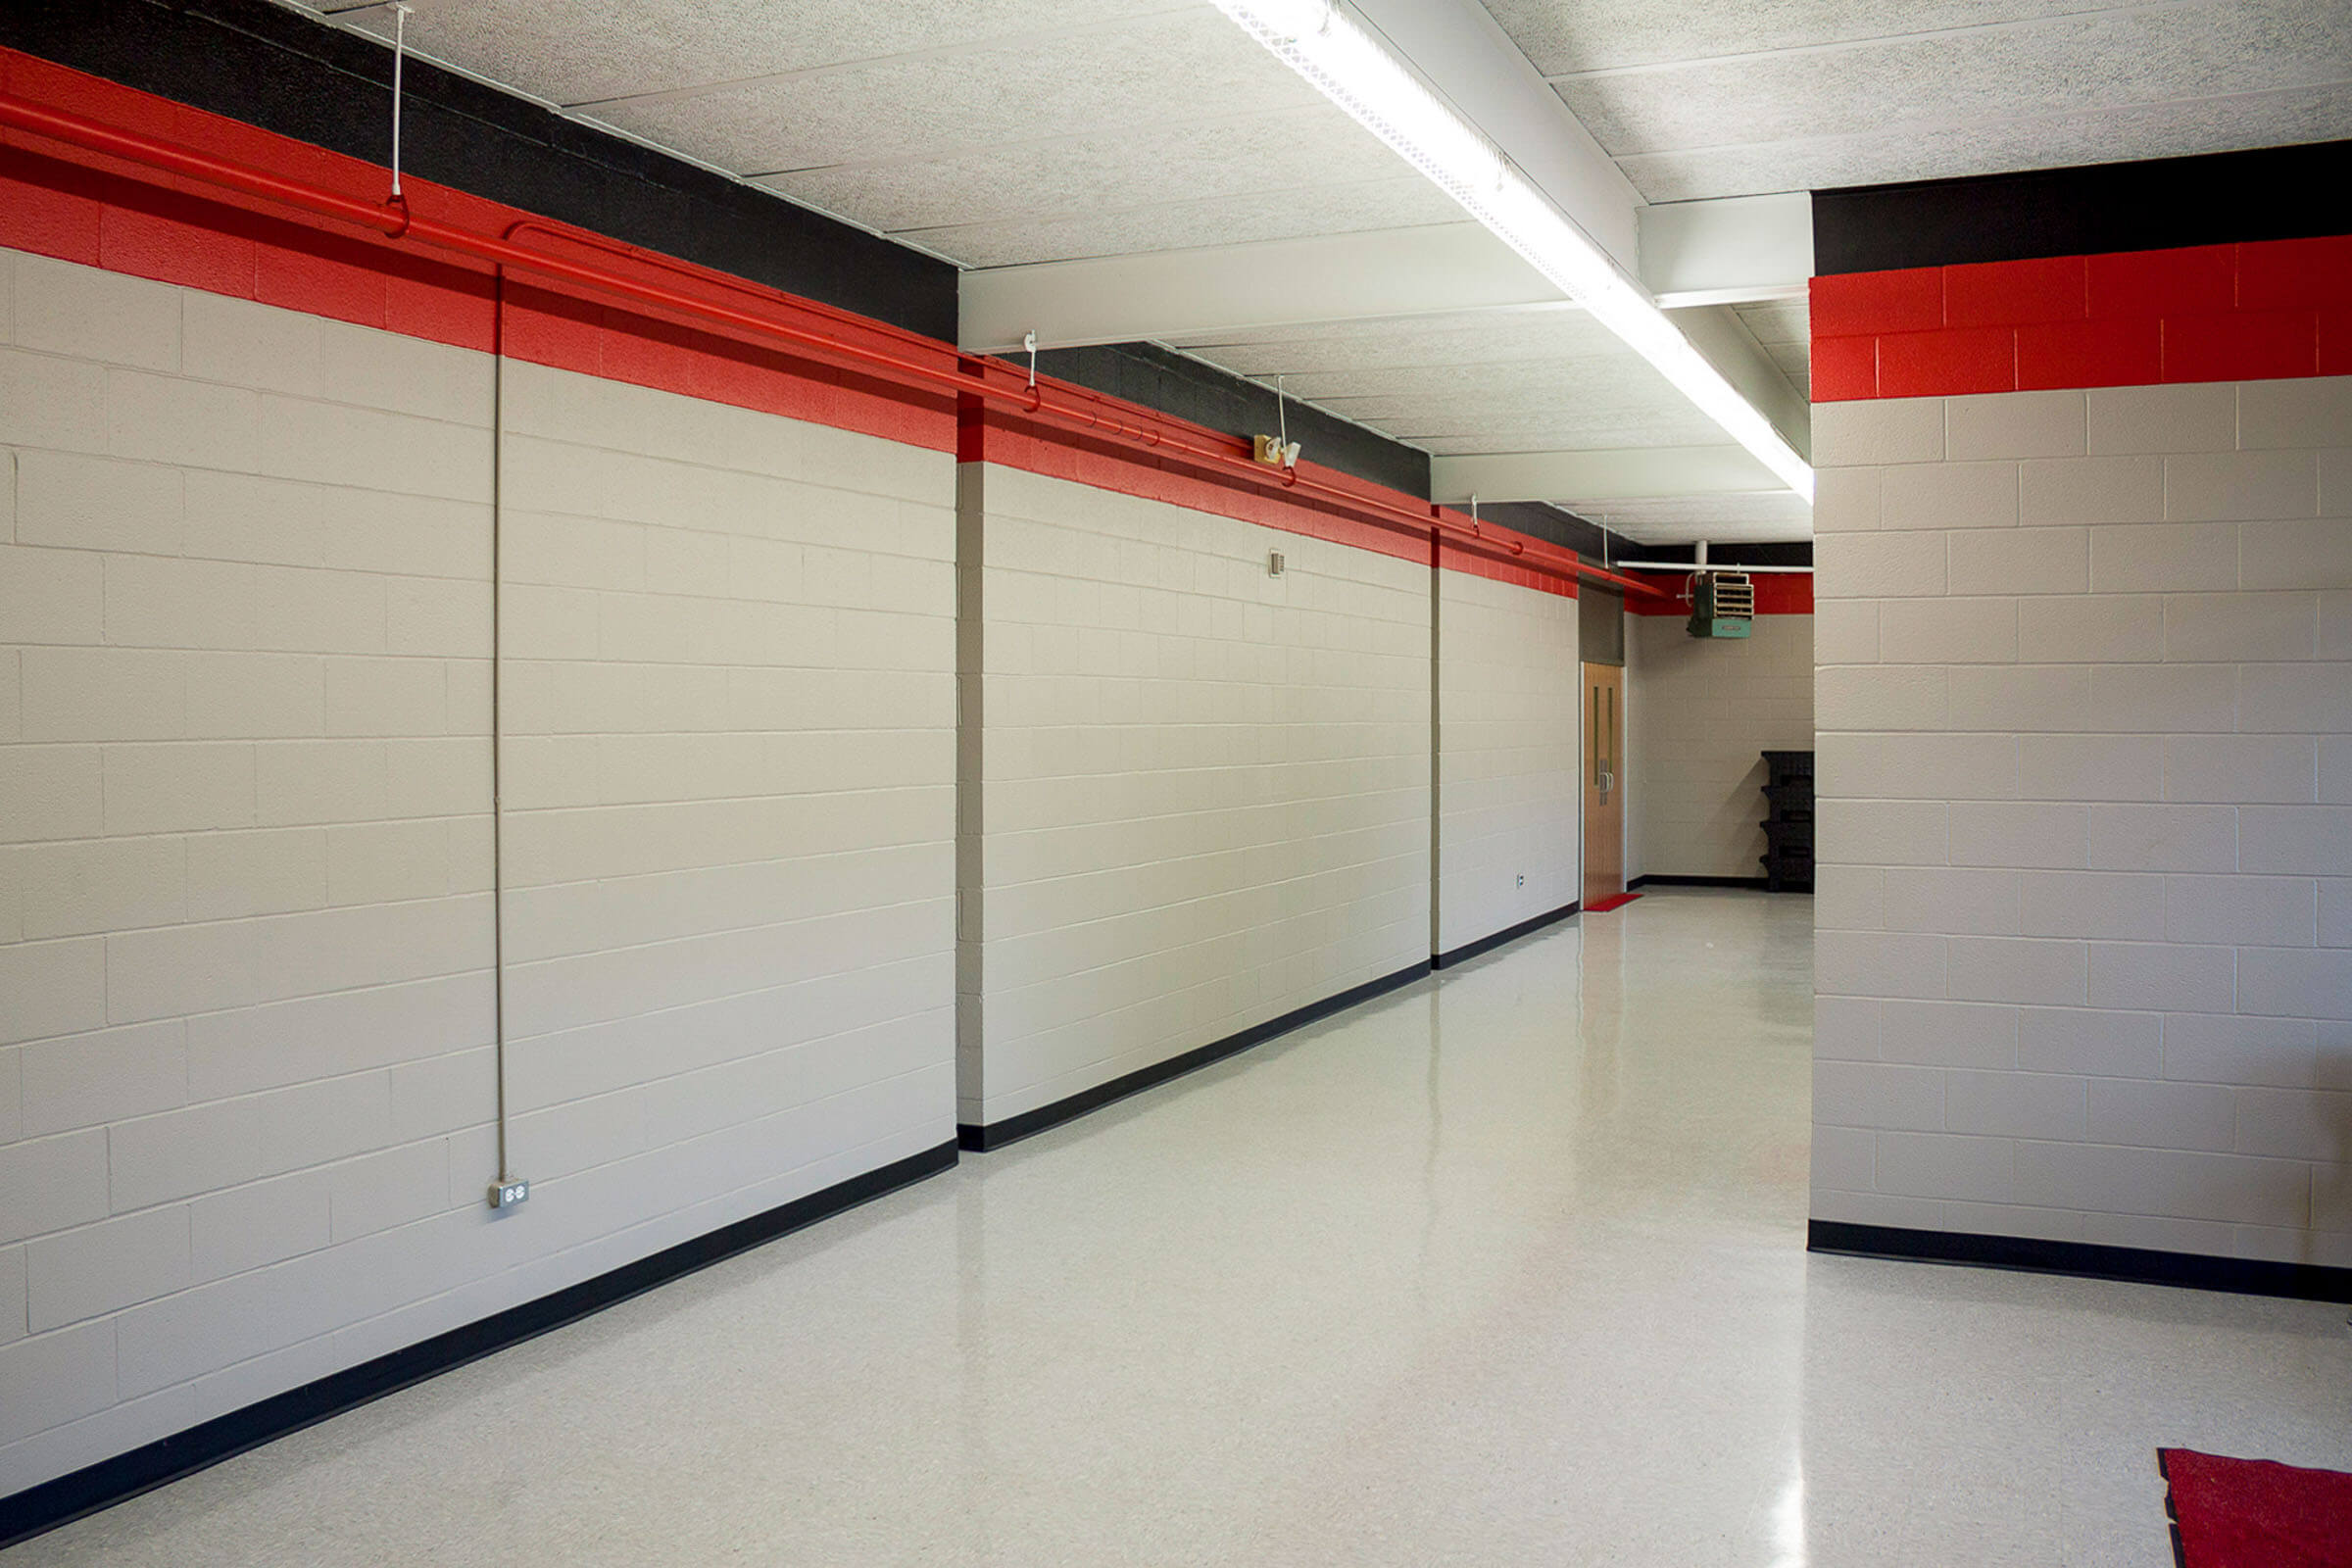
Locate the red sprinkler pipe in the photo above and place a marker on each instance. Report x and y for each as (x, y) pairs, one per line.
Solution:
(394, 219)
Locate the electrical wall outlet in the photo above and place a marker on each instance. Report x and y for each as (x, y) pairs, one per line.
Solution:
(506, 1195)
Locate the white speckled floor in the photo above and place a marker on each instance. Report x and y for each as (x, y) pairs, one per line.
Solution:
(1504, 1269)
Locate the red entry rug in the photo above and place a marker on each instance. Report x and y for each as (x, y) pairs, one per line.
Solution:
(1612, 902)
(2256, 1513)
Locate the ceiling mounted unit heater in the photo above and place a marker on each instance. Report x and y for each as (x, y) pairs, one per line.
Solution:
(1723, 603)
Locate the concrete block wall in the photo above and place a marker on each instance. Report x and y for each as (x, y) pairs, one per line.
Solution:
(730, 717)
(246, 1076)
(248, 1086)
(1202, 791)
(245, 797)
(251, 945)
(2085, 774)
(1707, 710)
(1508, 845)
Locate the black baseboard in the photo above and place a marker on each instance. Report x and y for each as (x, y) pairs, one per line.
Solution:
(997, 1134)
(2304, 1282)
(102, 1485)
(1509, 933)
(1640, 882)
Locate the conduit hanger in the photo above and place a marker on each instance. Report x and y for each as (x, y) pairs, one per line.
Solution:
(399, 53)
(1277, 451)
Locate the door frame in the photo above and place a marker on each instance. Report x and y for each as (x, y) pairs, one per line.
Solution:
(1600, 751)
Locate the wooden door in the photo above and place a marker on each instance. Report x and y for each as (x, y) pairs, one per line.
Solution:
(1604, 782)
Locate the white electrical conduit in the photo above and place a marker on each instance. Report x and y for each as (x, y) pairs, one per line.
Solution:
(400, 51)
(498, 728)
(1352, 68)
(497, 813)
(1689, 567)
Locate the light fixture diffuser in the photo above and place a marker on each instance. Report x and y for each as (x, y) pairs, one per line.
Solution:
(1354, 70)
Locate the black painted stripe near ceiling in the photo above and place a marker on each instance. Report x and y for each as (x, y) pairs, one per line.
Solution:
(1539, 520)
(1209, 395)
(269, 66)
(2221, 198)
(1191, 389)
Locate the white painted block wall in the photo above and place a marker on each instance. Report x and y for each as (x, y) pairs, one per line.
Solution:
(246, 1085)
(1709, 709)
(1508, 750)
(1203, 792)
(2085, 958)
(730, 794)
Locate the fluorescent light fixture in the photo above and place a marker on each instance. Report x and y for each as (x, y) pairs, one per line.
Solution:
(1355, 71)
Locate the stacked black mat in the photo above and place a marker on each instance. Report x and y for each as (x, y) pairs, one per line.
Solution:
(1789, 821)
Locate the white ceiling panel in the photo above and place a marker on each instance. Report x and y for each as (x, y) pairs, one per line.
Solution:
(1784, 328)
(2154, 131)
(1489, 337)
(583, 50)
(1239, 220)
(1508, 382)
(2114, 59)
(1004, 132)
(1698, 102)
(1475, 383)
(1580, 437)
(1511, 409)
(1161, 70)
(1563, 36)
(1776, 320)
(1569, 428)
(1718, 519)
(1076, 174)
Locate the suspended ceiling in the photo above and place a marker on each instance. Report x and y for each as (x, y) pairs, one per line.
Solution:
(992, 133)
(1700, 101)
(1004, 132)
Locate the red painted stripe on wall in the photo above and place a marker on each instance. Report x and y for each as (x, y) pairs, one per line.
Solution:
(1003, 436)
(1778, 593)
(1492, 560)
(2265, 311)
(85, 208)
(90, 209)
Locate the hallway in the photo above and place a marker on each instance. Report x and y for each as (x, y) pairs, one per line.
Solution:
(1506, 1269)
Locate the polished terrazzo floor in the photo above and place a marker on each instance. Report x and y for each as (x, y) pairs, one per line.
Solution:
(1506, 1269)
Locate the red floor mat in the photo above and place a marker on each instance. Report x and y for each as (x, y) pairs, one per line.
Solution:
(1613, 900)
(2255, 1513)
